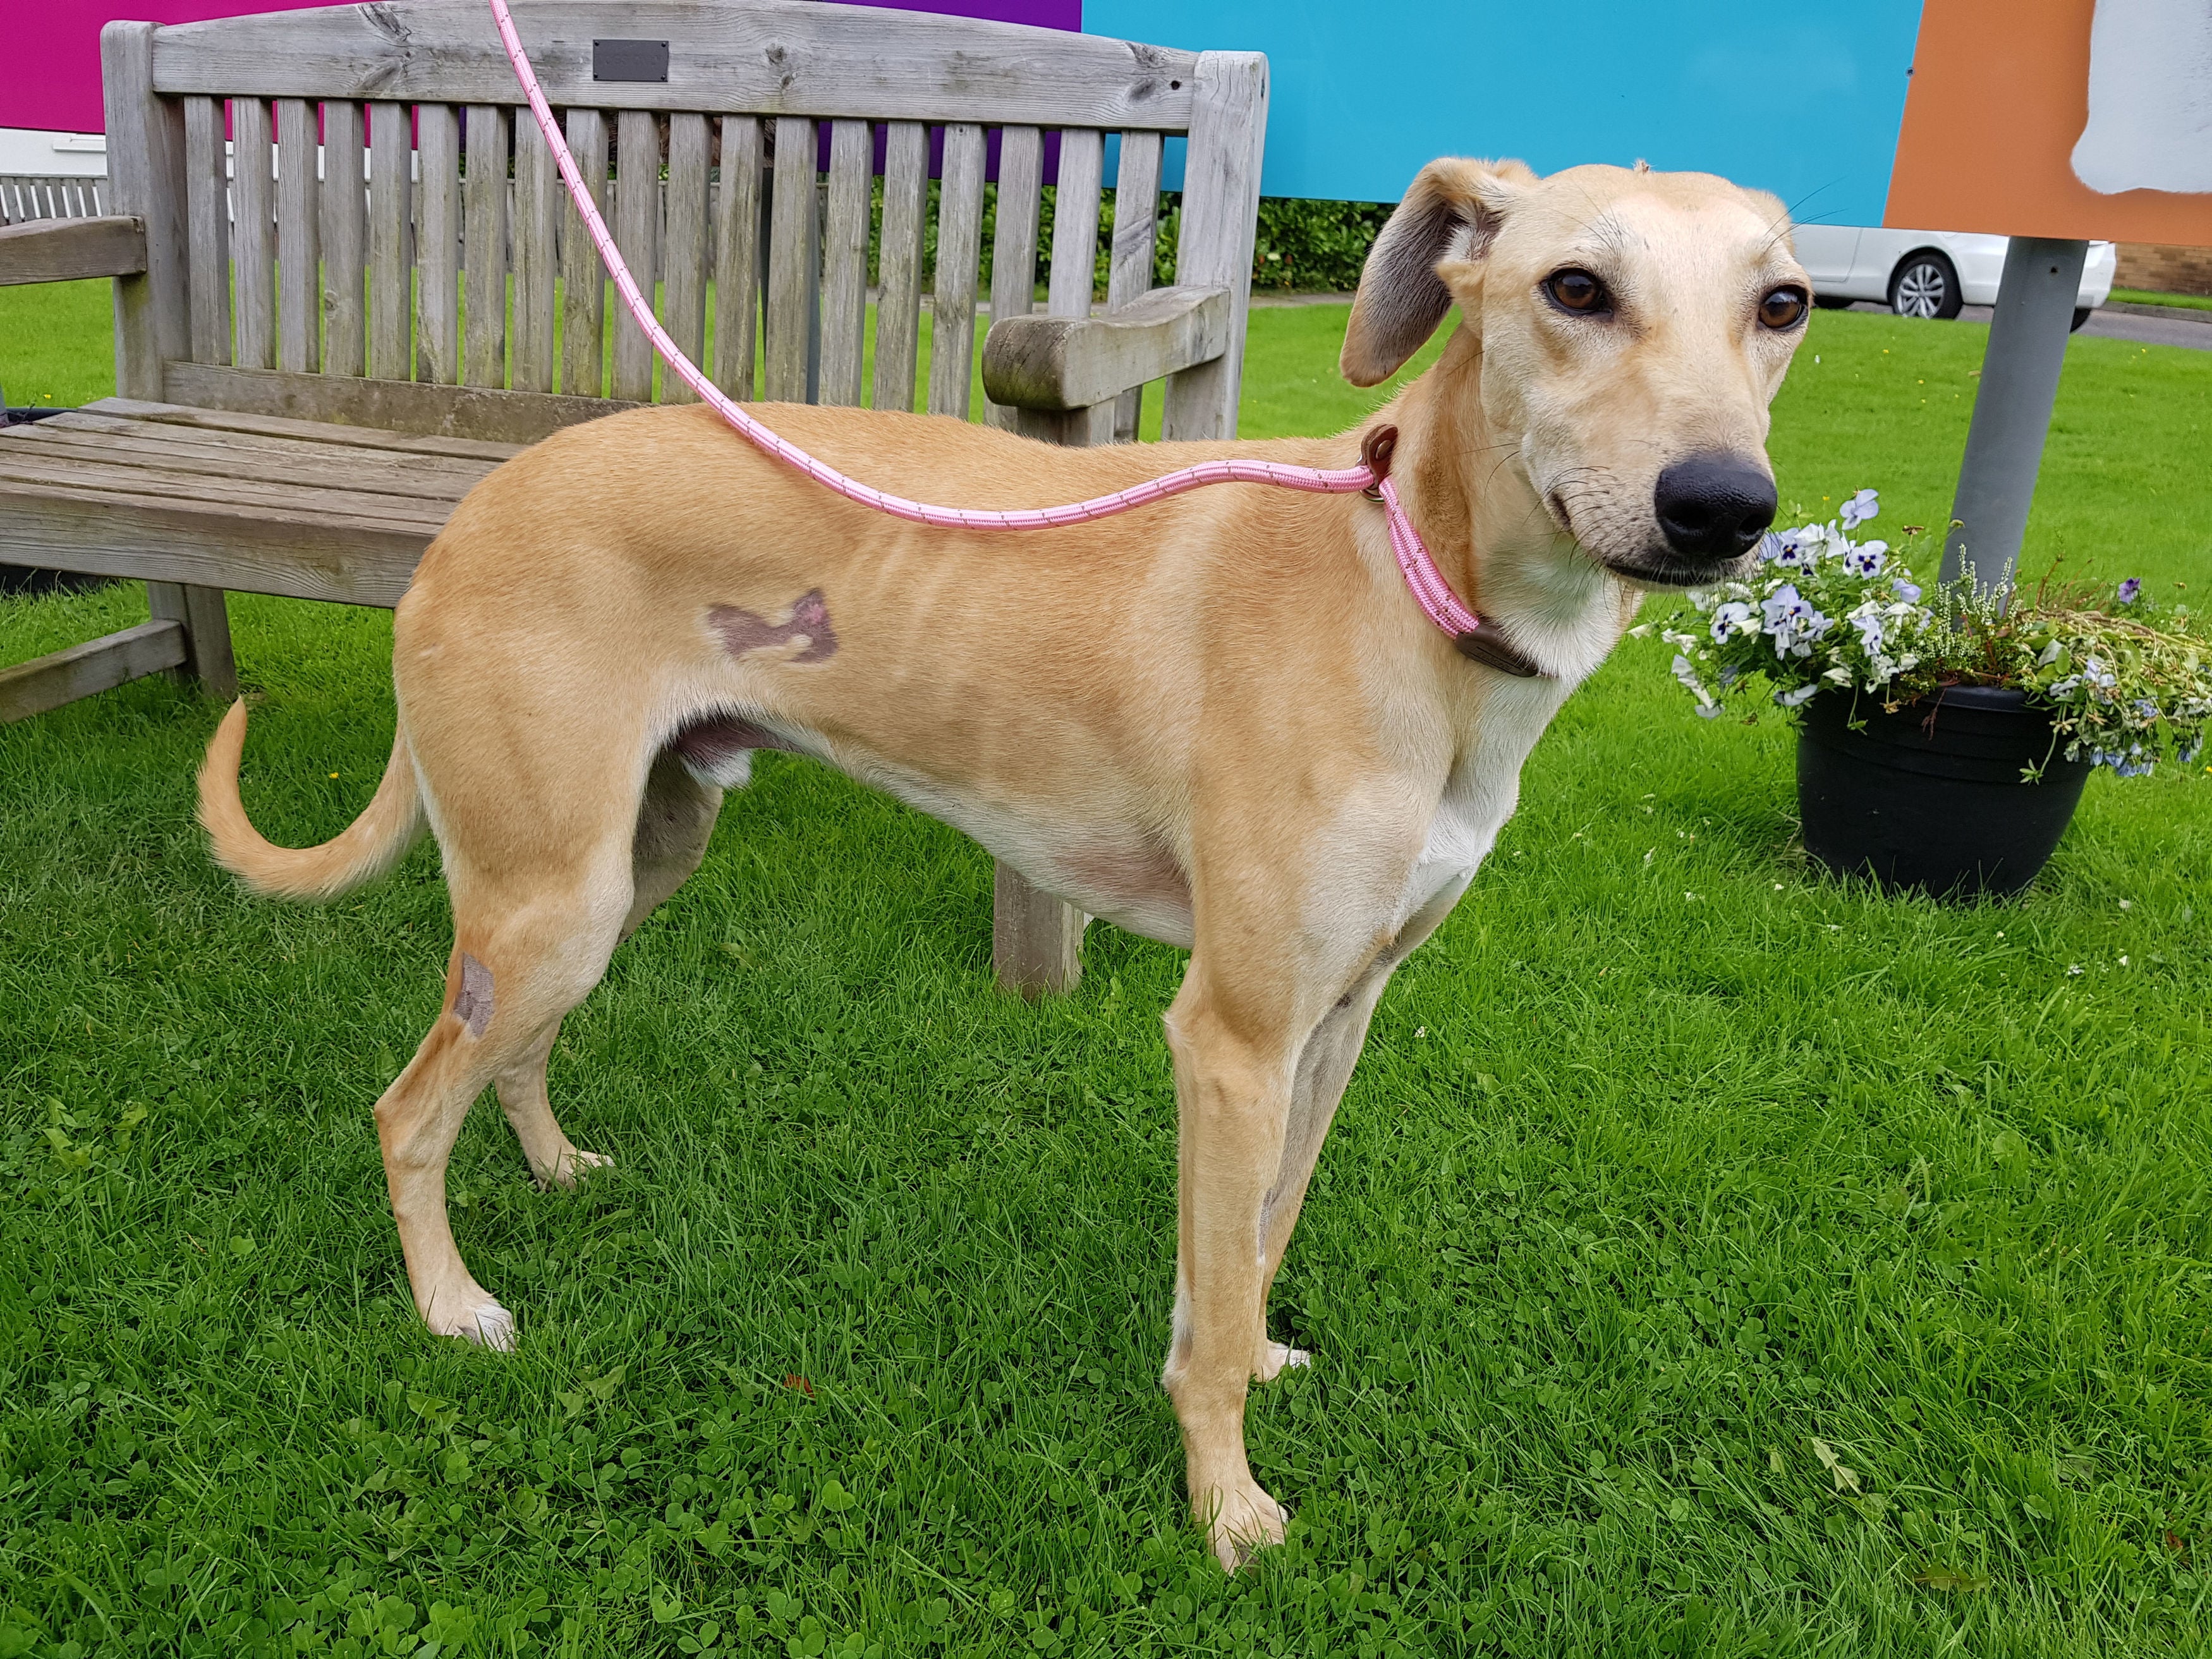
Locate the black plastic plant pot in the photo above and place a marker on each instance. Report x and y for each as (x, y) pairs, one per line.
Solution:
(1931, 798)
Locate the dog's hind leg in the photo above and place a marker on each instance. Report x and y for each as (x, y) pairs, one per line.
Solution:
(675, 820)
(519, 963)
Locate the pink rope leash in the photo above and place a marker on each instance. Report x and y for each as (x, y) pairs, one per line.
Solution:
(1429, 587)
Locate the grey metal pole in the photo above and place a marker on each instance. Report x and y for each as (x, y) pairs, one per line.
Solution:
(2012, 411)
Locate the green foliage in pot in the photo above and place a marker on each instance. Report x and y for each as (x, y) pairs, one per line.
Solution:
(2128, 681)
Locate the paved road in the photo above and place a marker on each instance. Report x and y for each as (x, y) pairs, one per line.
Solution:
(2113, 325)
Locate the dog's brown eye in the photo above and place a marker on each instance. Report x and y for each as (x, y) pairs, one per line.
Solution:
(1576, 290)
(1783, 308)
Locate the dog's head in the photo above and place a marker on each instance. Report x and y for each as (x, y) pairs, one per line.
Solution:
(1633, 327)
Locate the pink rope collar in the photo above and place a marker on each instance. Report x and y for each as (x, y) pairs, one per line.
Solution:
(1427, 583)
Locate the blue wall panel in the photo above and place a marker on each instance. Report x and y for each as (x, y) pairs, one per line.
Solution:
(1804, 103)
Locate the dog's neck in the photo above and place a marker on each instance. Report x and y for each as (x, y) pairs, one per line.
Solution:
(1463, 484)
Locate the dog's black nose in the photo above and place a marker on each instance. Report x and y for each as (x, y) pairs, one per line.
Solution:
(1713, 507)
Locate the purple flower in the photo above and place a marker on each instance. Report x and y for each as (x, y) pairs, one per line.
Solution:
(1866, 559)
(1909, 591)
(1860, 507)
(2130, 590)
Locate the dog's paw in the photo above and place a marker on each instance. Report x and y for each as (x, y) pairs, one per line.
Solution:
(1275, 1359)
(572, 1166)
(472, 1315)
(1239, 1520)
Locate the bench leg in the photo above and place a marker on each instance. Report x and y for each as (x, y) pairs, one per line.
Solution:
(206, 622)
(1037, 939)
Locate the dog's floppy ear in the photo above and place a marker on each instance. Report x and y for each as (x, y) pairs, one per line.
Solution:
(1451, 213)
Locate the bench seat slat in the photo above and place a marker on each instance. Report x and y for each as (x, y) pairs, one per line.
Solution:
(35, 466)
(242, 549)
(358, 471)
(206, 419)
(520, 417)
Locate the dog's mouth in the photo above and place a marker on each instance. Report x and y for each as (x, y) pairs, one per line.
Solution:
(1651, 563)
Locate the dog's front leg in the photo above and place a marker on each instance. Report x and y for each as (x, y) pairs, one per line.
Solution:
(1233, 1096)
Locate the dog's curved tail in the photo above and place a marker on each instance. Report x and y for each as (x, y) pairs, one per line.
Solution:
(367, 848)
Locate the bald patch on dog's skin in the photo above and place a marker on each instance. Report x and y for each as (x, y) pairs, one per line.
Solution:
(744, 630)
(472, 1003)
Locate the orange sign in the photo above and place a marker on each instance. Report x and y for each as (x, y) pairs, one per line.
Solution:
(2078, 119)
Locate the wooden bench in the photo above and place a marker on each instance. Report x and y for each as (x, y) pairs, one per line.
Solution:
(320, 347)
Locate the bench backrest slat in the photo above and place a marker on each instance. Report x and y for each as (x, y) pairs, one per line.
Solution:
(537, 200)
(737, 255)
(299, 252)
(689, 258)
(583, 321)
(207, 188)
(437, 244)
(898, 307)
(845, 261)
(253, 234)
(344, 225)
(484, 235)
(391, 242)
(637, 234)
(959, 248)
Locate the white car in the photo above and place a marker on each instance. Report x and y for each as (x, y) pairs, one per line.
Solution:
(1925, 273)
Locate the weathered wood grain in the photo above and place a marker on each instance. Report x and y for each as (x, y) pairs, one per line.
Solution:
(959, 250)
(845, 261)
(344, 239)
(1036, 938)
(1075, 223)
(67, 249)
(295, 553)
(438, 244)
(1073, 363)
(146, 171)
(584, 284)
(898, 304)
(483, 346)
(685, 264)
(253, 234)
(737, 257)
(1014, 240)
(538, 197)
(794, 264)
(207, 228)
(520, 417)
(637, 234)
(299, 255)
(63, 677)
(205, 618)
(202, 418)
(1136, 236)
(391, 243)
(1220, 213)
(774, 58)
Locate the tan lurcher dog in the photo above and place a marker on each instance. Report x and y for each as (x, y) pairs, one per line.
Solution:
(1221, 721)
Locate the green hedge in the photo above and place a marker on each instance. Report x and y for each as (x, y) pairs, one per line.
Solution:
(1309, 246)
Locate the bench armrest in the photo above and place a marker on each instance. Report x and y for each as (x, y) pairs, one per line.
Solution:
(64, 249)
(1076, 363)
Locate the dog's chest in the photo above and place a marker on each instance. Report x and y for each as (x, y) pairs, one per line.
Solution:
(1482, 789)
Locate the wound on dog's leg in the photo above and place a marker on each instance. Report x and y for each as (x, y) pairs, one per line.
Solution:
(744, 630)
(472, 1005)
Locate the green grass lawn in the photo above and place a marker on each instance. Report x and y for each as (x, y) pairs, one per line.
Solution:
(1711, 1257)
